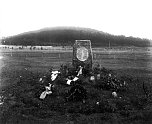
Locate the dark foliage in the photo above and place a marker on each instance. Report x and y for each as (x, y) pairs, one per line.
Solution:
(67, 36)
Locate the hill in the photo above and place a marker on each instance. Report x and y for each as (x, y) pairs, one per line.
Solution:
(65, 36)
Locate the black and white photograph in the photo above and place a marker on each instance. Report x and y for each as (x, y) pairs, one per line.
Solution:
(75, 62)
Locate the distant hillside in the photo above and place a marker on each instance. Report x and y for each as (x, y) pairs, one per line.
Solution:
(65, 36)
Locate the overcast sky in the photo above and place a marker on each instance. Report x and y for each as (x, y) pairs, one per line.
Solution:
(119, 17)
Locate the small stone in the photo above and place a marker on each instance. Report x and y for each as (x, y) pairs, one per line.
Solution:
(109, 75)
(83, 101)
(97, 103)
(98, 76)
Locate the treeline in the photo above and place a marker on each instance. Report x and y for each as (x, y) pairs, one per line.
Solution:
(67, 37)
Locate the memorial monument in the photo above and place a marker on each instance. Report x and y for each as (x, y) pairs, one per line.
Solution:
(82, 54)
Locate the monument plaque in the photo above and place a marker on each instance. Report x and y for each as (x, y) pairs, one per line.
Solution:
(82, 54)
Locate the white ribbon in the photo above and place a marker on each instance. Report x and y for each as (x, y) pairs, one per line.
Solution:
(47, 91)
(80, 71)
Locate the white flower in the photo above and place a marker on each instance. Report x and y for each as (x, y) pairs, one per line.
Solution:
(92, 78)
(114, 94)
(1, 103)
(49, 92)
(55, 72)
(48, 88)
(54, 75)
(69, 82)
(40, 79)
(75, 79)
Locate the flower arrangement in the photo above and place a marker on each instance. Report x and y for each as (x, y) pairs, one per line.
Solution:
(78, 78)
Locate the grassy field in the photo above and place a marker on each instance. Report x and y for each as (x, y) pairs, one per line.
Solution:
(137, 63)
(31, 65)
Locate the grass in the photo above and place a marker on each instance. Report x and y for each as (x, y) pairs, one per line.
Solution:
(20, 88)
(23, 106)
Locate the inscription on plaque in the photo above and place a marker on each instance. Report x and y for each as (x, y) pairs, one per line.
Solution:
(82, 53)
